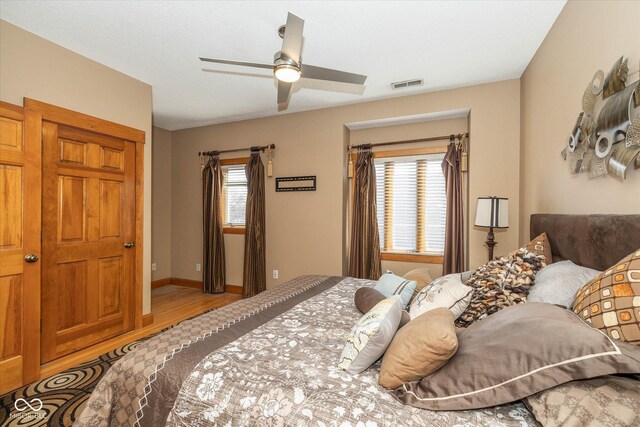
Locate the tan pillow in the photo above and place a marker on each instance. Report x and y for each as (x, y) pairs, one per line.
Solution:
(422, 277)
(541, 246)
(419, 348)
(611, 301)
(366, 298)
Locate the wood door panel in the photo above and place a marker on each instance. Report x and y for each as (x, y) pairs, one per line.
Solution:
(70, 294)
(10, 134)
(73, 152)
(89, 273)
(78, 252)
(11, 312)
(112, 159)
(111, 197)
(110, 286)
(11, 182)
(19, 236)
(72, 197)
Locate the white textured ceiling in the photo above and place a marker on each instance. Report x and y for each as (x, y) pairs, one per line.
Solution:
(447, 43)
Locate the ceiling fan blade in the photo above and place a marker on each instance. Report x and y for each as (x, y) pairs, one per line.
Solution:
(319, 73)
(284, 90)
(292, 41)
(241, 63)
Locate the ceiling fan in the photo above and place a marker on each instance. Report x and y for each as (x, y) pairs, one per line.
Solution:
(287, 65)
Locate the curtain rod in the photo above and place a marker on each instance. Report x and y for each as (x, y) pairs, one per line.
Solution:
(217, 152)
(409, 141)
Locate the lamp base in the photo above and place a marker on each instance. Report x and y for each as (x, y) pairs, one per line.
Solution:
(490, 242)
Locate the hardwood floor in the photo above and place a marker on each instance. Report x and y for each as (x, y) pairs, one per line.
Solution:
(170, 304)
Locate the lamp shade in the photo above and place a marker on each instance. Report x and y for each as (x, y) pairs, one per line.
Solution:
(492, 212)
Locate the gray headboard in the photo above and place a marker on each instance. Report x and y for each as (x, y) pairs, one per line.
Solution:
(594, 241)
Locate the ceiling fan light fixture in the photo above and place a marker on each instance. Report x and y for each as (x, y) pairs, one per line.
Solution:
(287, 73)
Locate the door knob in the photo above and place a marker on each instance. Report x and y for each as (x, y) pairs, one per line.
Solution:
(129, 245)
(31, 258)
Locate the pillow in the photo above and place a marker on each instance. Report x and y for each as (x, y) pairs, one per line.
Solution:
(500, 283)
(371, 336)
(390, 284)
(447, 291)
(557, 283)
(422, 277)
(515, 353)
(541, 246)
(419, 349)
(611, 301)
(605, 401)
(366, 298)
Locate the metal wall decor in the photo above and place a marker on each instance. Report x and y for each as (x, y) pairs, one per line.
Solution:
(296, 183)
(605, 139)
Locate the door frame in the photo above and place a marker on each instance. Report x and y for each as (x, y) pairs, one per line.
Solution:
(63, 116)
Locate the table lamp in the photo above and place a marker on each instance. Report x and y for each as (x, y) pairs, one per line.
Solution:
(492, 212)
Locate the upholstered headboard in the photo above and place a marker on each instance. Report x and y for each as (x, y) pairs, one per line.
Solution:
(594, 241)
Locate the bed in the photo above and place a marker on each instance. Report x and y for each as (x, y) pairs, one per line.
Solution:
(271, 359)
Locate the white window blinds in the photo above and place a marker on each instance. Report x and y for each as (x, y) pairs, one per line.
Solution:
(234, 195)
(411, 202)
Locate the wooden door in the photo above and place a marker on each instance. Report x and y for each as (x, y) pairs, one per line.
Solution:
(19, 237)
(88, 233)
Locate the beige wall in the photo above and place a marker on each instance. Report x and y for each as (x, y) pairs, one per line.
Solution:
(305, 230)
(552, 88)
(33, 67)
(161, 204)
(405, 132)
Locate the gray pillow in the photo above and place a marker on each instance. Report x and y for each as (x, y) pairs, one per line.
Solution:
(371, 335)
(558, 283)
(516, 352)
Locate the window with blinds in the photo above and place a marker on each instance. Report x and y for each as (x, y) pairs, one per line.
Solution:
(234, 195)
(412, 204)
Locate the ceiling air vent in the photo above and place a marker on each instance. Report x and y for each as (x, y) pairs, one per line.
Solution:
(407, 83)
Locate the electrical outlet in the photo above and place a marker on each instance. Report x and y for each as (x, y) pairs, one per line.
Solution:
(154, 267)
(197, 267)
(275, 274)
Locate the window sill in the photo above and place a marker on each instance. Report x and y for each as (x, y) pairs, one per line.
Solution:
(405, 257)
(233, 230)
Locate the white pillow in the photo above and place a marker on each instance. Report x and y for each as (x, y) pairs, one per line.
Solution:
(558, 283)
(447, 291)
(371, 335)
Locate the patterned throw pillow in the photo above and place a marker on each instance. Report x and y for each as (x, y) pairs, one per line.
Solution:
(611, 301)
(500, 283)
(390, 284)
(371, 336)
(541, 245)
(447, 292)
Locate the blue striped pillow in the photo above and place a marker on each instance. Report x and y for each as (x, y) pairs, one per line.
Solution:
(390, 284)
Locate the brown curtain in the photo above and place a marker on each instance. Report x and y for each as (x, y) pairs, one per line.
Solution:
(364, 256)
(213, 278)
(454, 231)
(255, 276)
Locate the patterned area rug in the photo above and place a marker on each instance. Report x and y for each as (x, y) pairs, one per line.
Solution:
(63, 395)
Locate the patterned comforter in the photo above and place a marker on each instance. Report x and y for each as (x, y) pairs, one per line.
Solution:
(269, 360)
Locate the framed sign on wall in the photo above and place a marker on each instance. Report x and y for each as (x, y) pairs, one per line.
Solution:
(296, 183)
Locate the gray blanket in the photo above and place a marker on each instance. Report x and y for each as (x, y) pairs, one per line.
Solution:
(268, 360)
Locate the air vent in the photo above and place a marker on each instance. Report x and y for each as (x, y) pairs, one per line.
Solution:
(407, 83)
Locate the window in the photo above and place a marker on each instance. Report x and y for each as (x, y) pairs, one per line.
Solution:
(234, 195)
(412, 204)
